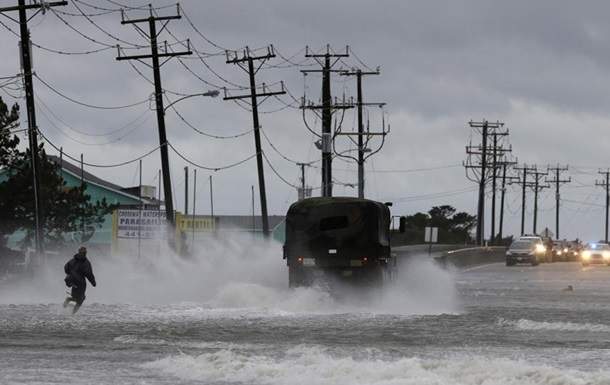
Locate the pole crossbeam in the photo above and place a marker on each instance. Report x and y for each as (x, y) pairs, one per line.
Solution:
(155, 55)
(26, 62)
(232, 58)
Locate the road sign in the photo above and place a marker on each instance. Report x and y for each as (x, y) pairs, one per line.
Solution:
(431, 235)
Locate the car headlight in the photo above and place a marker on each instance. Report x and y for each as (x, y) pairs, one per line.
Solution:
(586, 254)
(558, 252)
(540, 248)
(565, 250)
(606, 254)
(509, 253)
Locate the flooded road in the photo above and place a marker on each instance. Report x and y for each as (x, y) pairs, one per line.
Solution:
(487, 325)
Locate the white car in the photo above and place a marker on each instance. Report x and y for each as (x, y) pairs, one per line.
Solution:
(595, 253)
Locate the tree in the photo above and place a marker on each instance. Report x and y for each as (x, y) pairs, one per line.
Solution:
(66, 209)
(453, 226)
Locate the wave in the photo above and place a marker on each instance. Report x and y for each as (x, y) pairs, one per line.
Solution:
(525, 324)
(317, 366)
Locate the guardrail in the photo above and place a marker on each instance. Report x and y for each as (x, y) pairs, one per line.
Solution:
(472, 256)
(452, 255)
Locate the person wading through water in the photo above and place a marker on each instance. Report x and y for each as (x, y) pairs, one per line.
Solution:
(77, 269)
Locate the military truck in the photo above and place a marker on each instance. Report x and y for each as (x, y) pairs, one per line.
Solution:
(338, 239)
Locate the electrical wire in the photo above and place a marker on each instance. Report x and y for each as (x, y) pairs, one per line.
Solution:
(94, 164)
(277, 173)
(208, 167)
(188, 124)
(280, 154)
(106, 32)
(188, 19)
(134, 123)
(110, 141)
(87, 104)
(237, 86)
(352, 53)
(141, 7)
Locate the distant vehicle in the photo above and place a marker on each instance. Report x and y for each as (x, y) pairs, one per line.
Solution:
(526, 249)
(562, 251)
(595, 253)
(338, 239)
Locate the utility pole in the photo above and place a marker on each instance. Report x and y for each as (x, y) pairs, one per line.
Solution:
(155, 55)
(301, 195)
(523, 181)
(194, 207)
(140, 211)
(248, 57)
(477, 163)
(211, 197)
(186, 190)
(606, 184)
(253, 216)
(328, 108)
(502, 194)
(359, 104)
(557, 181)
(537, 188)
(505, 165)
(26, 62)
(496, 152)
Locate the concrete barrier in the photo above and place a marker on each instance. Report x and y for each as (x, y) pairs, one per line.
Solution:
(451, 255)
(473, 256)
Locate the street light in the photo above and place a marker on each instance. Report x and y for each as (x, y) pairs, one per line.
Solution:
(212, 94)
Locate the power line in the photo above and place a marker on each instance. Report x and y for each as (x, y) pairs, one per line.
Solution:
(191, 126)
(106, 32)
(277, 173)
(188, 19)
(114, 140)
(209, 168)
(113, 165)
(87, 104)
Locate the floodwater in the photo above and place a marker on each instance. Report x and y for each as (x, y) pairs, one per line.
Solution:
(233, 321)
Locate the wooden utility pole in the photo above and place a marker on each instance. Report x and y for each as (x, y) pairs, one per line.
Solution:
(361, 134)
(477, 164)
(497, 154)
(606, 184)
(537, 188)
(186, 190)
(155, 55)
(248, 58)
(557, 181)
(26, 62)
(328, 108)
(523, 181)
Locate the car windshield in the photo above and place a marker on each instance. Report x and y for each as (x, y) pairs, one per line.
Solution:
(522, 244)
(598, 246)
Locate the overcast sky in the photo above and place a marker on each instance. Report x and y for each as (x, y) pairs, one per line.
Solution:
(541, 67)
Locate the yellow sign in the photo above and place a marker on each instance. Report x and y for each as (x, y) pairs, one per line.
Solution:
(197, 224)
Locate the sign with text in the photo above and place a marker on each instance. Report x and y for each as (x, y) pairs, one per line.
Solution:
(143, 224)
(431, 235)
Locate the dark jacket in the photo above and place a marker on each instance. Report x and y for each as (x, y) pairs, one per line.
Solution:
(77, 269)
